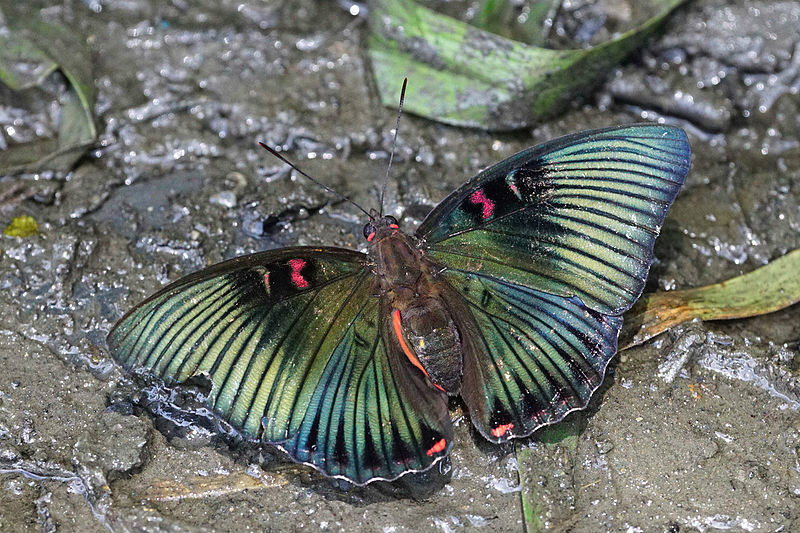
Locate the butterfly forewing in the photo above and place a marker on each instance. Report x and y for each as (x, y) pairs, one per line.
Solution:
(577, 216)
(293, 343)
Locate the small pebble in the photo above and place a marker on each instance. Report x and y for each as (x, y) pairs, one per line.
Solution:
(225, 199)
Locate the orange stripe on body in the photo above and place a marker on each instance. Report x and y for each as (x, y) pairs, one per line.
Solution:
(398, 331)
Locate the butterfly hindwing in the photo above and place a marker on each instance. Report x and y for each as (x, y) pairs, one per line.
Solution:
(372, 415)
(576, 216)
(529, 357)
(293, 343)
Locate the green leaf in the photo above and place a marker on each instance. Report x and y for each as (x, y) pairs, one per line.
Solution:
(560, 443)
(75, 135)
(499, 16)
(69, 51)
(764, 290)
(22, 63)
(532, 509)
(32, 51)
(465, 76)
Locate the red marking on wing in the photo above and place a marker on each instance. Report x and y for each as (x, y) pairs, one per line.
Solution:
(398, 331)
(436, 448)
(370, 237)
(502, 429)
(297, 278)
(479, 198)
(513, 188)
(266, 281)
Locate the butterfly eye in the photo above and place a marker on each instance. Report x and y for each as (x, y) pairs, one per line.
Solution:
(369, 231)
(391, 221)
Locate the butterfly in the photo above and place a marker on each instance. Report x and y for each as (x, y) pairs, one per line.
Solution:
(509, 294)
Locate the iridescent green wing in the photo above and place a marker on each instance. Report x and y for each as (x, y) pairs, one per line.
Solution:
(529, 357)
(576, 216)
(548, 248)
(292, 341)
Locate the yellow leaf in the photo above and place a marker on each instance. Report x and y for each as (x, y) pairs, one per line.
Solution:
(22, 227)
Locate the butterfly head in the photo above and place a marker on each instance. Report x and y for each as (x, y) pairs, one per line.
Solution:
(380, 226)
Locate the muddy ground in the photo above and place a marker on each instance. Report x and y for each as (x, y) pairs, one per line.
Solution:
(697, 430)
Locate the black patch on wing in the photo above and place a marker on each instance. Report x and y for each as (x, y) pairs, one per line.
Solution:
(290, 277)
(371, 459)
(402, 454)
(340, 454)
(522, 188)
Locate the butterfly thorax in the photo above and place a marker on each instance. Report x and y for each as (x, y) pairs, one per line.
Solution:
(397, 261)
(422, 325)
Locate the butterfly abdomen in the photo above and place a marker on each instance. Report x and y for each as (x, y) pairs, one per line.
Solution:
(428, 331)
(422, 324)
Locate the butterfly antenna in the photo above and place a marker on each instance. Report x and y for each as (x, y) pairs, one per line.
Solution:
(340, 195)
(394, 141)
